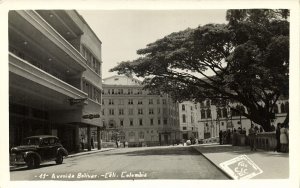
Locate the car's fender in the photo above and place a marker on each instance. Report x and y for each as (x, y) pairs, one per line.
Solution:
(63, 151)
(32, 153)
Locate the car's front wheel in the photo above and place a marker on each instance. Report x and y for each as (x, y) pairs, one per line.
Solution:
(59, 158)
(32, 162)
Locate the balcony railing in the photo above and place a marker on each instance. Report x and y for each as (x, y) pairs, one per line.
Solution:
(25, 69)
(49, 32)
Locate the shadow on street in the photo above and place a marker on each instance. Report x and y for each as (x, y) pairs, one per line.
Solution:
(238, 150)
(160, 151)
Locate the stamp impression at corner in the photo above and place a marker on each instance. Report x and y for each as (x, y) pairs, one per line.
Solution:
(241, 167)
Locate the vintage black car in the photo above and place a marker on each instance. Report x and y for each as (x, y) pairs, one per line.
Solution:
(36, 150)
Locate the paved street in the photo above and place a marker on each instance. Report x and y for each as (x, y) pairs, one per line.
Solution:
(174, 162)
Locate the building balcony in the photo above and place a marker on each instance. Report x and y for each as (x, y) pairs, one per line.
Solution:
(30, 33)
(35, 86)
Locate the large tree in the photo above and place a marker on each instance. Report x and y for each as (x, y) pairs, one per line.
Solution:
(245, 60)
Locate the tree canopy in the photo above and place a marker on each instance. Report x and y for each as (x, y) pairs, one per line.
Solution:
(245, 60)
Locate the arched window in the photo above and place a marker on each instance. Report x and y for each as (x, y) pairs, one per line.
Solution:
(122, 135)
(233, 112)
(208, 103)
(242, 109)
(282, 108)
(224, 112)
(276, 109)
(203, 114)
(183, 118)
(208, 112)
(219, 113)
(286, 107)
(141, 135)
(183, 107)
(131, 136)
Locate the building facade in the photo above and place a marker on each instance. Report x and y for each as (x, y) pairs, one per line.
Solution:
(189, 120)
(136, 116)
(55, 78)
(216, 116)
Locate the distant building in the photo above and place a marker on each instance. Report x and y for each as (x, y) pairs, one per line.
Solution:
(189, 120)
(216, 116)
(54, 76)
(134, 115)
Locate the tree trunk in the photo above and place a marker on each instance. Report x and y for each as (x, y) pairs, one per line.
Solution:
(286, 121)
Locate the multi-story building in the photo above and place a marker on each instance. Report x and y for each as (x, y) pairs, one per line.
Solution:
(189, 120)
(135, 115)
(216, 116)
(54, 76)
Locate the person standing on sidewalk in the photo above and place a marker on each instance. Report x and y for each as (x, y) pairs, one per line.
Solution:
(278, 146)
(220, 137)
(252, 138)
(284, 139)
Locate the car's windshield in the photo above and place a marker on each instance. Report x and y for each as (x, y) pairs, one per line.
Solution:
(31, 141)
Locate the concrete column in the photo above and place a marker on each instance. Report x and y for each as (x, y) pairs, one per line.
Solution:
(99, 138)
(89, 137)
(76, 139)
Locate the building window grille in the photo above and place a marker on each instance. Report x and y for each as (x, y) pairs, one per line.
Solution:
(151, 111)
(141, 122)
(141, 135)
(131, 122)
(140, 111)
(165, 121)
(150, 101)
(111, 112)
(164, 101)
(183, 118)
(140, 101)
(110, 101)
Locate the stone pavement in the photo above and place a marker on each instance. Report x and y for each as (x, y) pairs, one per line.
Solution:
(273, 164)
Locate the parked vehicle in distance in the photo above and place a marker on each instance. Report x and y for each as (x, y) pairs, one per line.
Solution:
(36, 150)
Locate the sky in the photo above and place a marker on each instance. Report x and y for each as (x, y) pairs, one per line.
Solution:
(123, 32)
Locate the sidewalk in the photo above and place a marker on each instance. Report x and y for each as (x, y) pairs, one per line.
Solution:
(86, 152)
(274, 165)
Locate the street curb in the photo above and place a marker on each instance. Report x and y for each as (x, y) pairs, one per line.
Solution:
(69, 156)
(227, 175)
(88, 153)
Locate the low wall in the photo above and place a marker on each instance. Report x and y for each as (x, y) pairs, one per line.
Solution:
(266, 141)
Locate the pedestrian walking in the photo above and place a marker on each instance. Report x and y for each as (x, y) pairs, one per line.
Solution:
(234, 137)
(221, 137)
(252, 137)
(82, 142)
(228, 136)
(284, 139)
(278, 146)
(92, 143)
(224, 137)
